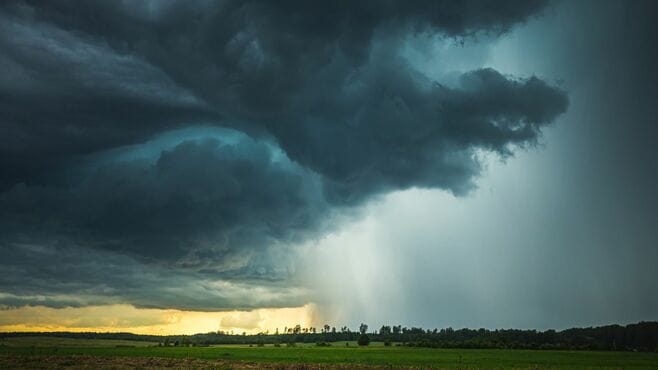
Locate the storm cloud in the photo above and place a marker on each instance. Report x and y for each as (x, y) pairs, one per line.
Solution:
(198, 142)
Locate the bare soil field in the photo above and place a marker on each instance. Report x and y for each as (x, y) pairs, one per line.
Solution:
(97, 362)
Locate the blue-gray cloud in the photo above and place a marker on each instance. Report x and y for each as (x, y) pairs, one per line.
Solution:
(326, 113)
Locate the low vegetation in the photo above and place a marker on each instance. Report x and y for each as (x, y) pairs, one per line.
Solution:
(618, 347)
(336, 356)
(641, 337)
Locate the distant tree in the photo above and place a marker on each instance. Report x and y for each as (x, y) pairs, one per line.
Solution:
(385, 330)
(642, 336)
(363, 328)
(363, 340)
(326, 328)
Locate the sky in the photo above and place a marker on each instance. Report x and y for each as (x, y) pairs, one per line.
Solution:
(174, 167)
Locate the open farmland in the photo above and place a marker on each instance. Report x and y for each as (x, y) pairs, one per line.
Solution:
(59, 352)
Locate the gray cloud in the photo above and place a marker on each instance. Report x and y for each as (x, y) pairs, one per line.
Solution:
(61, 275)
(401, 129)
(64, 95)
(105, 74)
(334, 112)
(198, 205)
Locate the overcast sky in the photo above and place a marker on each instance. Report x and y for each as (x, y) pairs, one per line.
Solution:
(478, 164)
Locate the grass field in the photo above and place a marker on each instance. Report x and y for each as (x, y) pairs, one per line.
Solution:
(25, 348)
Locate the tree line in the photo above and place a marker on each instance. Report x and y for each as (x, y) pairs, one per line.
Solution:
(642, 336)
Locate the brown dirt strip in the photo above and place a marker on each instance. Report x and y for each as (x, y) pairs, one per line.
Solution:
(100, 362)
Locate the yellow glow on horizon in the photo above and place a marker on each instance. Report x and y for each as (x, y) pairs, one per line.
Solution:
(127, 318)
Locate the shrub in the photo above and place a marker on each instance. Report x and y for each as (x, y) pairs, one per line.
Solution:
(363, 340)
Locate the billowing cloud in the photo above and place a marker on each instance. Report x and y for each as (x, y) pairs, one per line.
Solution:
(248, 320)
(198, 204)
(322, 111)
(64, 275)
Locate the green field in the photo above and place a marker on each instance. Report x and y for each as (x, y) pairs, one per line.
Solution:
(337, 354)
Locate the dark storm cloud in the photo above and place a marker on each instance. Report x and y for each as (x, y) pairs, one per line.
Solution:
(202, 227)
(92, 75)
(403, 130)
(65, 275)
(198, 204)
(336, 113)
(63, 95)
